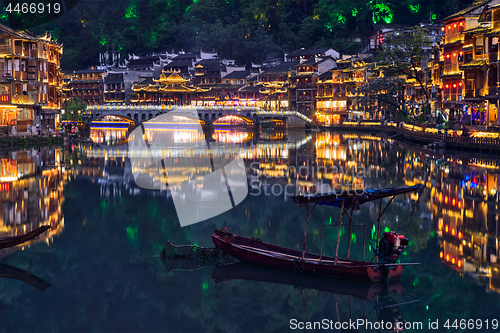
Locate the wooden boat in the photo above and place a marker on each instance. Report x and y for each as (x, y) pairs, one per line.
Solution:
(10, 272)
(385, 268)
(16, 240)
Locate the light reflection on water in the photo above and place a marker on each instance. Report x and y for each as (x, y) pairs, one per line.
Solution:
(102, 260)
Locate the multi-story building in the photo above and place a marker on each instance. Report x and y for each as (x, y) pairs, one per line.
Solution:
(29, 79)
(464, 60)
(88, 84)
(481, 66)
(331, 103)
(32, 193)
(114, 88)
(273, 84)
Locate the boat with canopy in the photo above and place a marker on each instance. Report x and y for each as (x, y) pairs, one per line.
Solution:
(385, 267)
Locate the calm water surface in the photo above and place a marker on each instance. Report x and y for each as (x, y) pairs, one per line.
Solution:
(101, 256)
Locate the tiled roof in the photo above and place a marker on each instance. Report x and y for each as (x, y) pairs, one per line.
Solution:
(143, 61)
(178, 64)
(475, 5)
(475, 63)
(148, 81)
(281, 69)
(478, 30)
(237, 75)
(184, 56)
(308, 52)
(45, 38)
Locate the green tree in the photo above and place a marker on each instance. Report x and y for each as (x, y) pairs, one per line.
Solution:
(72, 107)
(384, 92)
(402, 56)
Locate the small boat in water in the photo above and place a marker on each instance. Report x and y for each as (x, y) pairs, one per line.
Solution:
(390, 246)
(16, 240)
(10, 272)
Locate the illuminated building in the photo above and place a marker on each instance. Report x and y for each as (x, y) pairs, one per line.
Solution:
(29, 79)
(460, 52)
(275, 87)
(32, 193)
(331, 103)
(229, 92)
(114, 88)
(304, 54)
(88, 85)
(169, 89)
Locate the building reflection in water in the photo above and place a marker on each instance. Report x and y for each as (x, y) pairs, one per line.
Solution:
(109, 136)
(31, 188)
(460, 201)
(464, 204)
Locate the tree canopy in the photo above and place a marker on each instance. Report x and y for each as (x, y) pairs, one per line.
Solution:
(247, 31)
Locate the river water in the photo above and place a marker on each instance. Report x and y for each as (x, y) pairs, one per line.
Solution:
(99, 268)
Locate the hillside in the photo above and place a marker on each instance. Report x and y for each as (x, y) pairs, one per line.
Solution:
(252, 30)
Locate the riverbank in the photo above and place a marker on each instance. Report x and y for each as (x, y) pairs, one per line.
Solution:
(15, 143)
(415, 134)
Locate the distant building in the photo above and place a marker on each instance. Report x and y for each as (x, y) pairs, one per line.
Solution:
(311, 53)
(208, 72)
(88, 85)
(114, 88)
(274, 86)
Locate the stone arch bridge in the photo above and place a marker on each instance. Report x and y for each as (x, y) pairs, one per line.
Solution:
(137, 114)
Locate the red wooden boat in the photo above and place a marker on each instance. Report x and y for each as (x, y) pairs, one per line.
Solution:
(16, 240)
(257, 252)
(385, 268)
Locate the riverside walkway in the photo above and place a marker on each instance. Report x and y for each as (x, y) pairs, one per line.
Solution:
(479, 142)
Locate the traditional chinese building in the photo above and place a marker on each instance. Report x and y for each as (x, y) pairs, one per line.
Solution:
(169, 89)
(462, 55)
(29, 79)
(114, 88)
(88, 84)
(274, 84)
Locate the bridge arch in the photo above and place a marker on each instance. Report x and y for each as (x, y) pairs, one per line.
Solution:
(247, 120)
(126, 118)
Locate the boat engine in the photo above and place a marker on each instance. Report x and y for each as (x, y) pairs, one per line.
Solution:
(391, 245)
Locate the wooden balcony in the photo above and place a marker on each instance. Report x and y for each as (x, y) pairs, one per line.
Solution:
(451, 38)
(492, 90)
(18, 50)
(13, 75)
(5, 49)
(24, 99)
(493, 56)
(471, 93)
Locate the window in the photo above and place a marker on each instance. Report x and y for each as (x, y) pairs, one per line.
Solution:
(479, 46)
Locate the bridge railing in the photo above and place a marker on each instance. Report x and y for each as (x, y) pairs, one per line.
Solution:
(168, 107)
